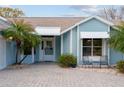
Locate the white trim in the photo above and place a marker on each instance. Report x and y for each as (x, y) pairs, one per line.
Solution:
(108, 53)
(61, 44)
(87, 19)
(40, 50)
(108, 28)
(71, 41)
(108, 47)
(104, 50)
(94, 34)
(32, 54)
(4, 19)
(78, 40)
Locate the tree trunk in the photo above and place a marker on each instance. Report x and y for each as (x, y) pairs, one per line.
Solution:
(18, 43)
(17, 51)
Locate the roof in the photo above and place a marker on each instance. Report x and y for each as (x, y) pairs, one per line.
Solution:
(63, 22)
(4, 23)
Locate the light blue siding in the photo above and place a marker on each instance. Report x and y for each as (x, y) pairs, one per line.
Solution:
(93, 25)
(10, 52)
(115, 56)
(2, 65)
(28, 59)
(2, 53)
(66, 42)
(74, 41)
(58, 46)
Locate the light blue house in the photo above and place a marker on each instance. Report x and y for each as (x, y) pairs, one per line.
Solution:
(79, 36)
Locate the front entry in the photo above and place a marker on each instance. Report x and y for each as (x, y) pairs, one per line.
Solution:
(47, 52)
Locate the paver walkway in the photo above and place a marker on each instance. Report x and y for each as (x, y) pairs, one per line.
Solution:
(51, 75)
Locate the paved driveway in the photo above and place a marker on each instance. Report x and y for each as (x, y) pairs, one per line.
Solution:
(52, 75)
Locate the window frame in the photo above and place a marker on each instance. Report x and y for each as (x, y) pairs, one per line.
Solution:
(92, 47)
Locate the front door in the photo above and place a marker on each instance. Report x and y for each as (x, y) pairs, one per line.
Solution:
(47, 49)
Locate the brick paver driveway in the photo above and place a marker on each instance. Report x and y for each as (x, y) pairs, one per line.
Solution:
(52, 75)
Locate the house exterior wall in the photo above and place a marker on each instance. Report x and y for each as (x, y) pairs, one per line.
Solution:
(28, 59)
(8, 49)
(2, 53)
(115, 56)
(10, 52)
(74, 41)
(66, 42)
(93, 25)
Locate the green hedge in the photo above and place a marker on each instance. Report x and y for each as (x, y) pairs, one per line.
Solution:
(120, 66)
(67, 60)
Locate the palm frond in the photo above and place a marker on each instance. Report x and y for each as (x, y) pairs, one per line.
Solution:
(117, 38)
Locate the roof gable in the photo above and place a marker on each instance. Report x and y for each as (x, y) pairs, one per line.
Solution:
(87, 19)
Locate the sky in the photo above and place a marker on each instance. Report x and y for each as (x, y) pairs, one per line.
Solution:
(59, 10)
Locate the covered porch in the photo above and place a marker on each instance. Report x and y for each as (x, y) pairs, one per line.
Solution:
(95, 49)
(49, 48)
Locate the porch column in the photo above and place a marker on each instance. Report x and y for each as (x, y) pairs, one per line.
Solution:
(32, 54)
(78, 42)
(108, 52)
(71, 41)
(61, 44)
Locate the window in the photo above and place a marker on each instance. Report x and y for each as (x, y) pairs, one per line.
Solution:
(49, 48)
(92, 47)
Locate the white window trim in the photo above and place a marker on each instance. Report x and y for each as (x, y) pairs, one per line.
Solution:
(92, 47)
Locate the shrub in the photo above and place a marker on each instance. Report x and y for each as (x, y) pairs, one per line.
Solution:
(120, 66)
(67, 60)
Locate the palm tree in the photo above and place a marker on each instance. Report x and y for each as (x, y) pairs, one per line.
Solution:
(21, 32)
(117, 38)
